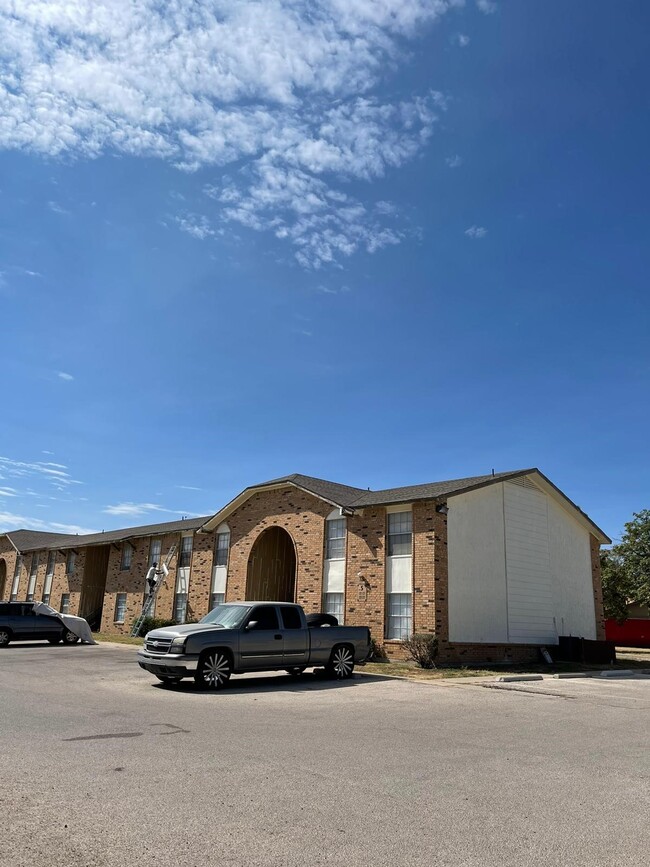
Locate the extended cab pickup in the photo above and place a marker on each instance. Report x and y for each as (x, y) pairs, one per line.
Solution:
(252, 636)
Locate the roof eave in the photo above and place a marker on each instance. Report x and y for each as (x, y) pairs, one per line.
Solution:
(223, 514)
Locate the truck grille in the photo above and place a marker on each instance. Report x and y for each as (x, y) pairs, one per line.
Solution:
(158, 645)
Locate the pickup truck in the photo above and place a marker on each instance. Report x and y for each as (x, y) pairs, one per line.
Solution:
(238, 637)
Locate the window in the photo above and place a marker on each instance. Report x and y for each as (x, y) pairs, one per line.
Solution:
(335, 539)
(221, 550)
(70, 561)
(155, 552)
(49, 575)
(120, 607)
(290, 617)
(333, 604)
(400, 616)
(217, 599)
(185, 555)
(127, 556)
(180, 607)
(400, 531)
(31, 586)
(65, 603)
(16, 582)
(265, 617)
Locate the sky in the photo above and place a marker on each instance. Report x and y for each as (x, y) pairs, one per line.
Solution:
(382, 242)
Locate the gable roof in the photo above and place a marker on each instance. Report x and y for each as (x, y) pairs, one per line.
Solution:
(350, 498)
(36, 540)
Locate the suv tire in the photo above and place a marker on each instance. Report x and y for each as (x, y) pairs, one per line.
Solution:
(5, 637)
(69, 637)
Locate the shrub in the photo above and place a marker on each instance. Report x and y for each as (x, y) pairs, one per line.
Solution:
(423, 649)
(150, 623)
(377, 652)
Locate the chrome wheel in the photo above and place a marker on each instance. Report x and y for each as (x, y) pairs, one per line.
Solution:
(5, 638)
(214, 670)
(70, 638)
(341, 664)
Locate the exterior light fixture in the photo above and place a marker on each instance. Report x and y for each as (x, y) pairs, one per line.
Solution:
(442, 509)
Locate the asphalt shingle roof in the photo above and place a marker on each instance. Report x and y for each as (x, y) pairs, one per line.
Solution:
(35, 540)
(357, 498)
(339, 495)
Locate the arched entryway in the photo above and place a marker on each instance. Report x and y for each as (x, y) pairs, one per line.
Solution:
(271, 574)
(3, 578)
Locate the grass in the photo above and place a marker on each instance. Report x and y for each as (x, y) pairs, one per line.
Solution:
(639, 659)
(117, 639)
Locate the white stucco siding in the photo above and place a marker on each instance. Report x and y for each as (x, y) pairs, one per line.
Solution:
(573, 596)
(477, 580)
(528, 566)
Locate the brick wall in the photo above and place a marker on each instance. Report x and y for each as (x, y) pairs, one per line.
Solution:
(8, 554)
(597, 583)
(366, 571)
(303, 517)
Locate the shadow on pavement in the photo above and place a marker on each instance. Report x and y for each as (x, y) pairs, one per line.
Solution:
(246, 684)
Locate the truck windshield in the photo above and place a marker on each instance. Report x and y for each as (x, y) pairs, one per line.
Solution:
(228, 616)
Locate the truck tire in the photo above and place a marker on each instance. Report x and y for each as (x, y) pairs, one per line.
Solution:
(341, 662)
(5, 637)
(214, 670)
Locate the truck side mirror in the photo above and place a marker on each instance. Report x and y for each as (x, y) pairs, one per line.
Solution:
(252, 624)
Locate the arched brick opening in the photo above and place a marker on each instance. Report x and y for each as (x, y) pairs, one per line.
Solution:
(3, 578)
(271, 571)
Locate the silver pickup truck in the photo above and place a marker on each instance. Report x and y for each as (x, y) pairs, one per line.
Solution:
(252, 636)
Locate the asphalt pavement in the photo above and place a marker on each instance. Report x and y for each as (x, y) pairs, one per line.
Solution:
(102, 766)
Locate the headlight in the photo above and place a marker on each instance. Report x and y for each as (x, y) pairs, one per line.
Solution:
(177, 645)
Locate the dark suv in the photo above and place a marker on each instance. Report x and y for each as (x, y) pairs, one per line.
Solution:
(19, 622)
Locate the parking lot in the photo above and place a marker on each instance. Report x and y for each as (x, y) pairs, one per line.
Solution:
(103, 766)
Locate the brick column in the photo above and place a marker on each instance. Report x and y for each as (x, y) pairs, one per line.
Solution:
(441, 581)
(365, 596)
(424, 594)
(596, 579)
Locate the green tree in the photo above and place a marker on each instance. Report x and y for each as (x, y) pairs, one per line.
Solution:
(626, 568)
(617, 590)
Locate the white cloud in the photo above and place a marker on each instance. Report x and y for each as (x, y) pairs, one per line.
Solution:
(454, 161)
(54, 206)
(461, 39)
(11, 521)
(280, 89)
(476, 232)
(8, 492)
(488, 7)
(188, 488)
(54, 474)
(68, 377)
(135, 509)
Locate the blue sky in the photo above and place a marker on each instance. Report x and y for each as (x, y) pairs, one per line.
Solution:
(379, 242)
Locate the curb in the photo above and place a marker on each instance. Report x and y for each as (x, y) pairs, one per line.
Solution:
(515, 678)
(622, 672)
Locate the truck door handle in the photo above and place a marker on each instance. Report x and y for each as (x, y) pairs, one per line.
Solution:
(278, 637)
